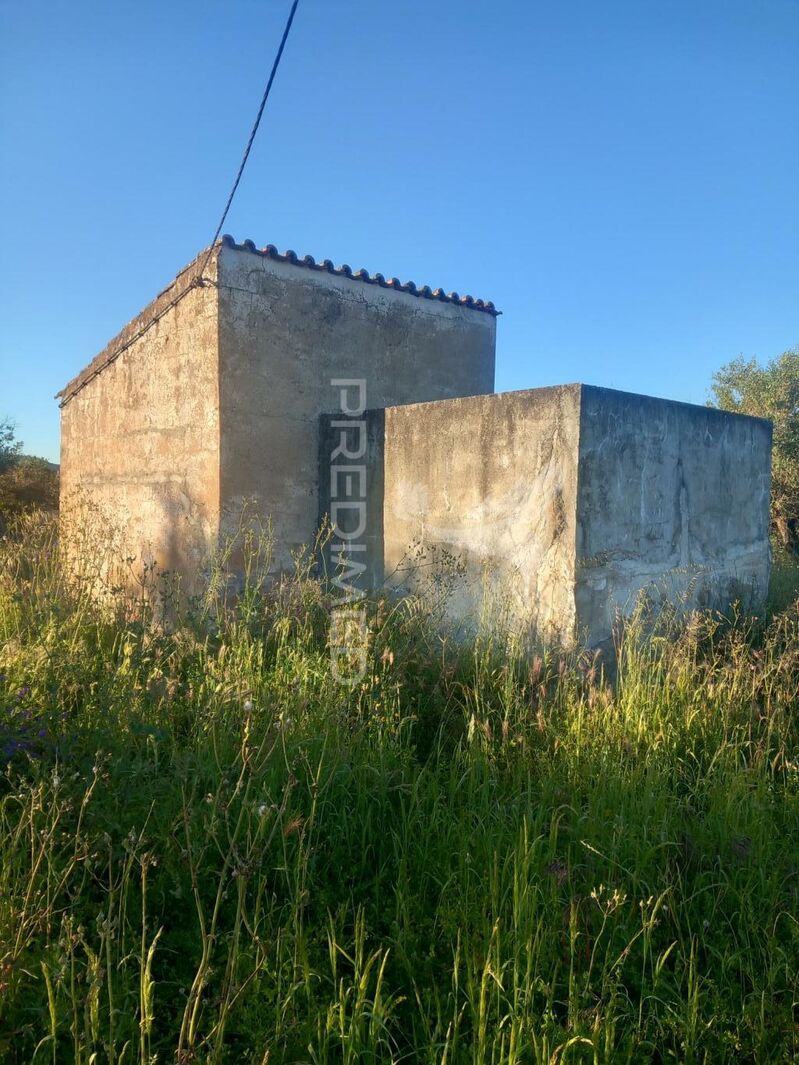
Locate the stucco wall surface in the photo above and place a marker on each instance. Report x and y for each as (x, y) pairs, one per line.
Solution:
(479, 496)
(285, 333)
(559, 506)
(140, 442)
(673, 498)
(552, 507)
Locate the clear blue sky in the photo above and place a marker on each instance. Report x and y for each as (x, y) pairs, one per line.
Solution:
(621, 178)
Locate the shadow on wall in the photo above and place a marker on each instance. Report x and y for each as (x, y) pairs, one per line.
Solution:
(432, 581)
(475, 598)
(156, 553)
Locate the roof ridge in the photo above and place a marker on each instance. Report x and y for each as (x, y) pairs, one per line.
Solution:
(189, 278)
(308, 261)
(184, 282)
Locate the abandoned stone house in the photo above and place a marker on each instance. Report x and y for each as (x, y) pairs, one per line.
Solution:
(244, 379)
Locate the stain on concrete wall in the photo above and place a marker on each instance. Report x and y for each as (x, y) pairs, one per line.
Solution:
(285, 332)
(673, 498)
(480, 496)
(561, 505)
(140, 439)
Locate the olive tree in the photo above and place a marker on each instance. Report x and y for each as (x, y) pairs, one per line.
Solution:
(770, 391)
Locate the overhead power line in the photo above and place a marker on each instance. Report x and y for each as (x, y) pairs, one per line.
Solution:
(82, 380)
(257, 123)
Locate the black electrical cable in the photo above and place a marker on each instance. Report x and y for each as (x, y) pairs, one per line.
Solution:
(275, 65)
(65, 396)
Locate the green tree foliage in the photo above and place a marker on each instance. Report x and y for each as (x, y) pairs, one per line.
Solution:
(770, 391)
(9, 445)
(26, 482)
(29, 482)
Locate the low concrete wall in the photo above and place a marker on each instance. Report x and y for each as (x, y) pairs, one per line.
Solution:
(673, 498)
(556, 507)
(476, 499)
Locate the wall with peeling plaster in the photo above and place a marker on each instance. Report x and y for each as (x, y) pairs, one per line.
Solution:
(673, 498)
(285, 332)
(140, 439)
(551, 508)
(217, 404)
(557, 507)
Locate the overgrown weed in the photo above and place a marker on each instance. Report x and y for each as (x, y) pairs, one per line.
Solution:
(215, 853)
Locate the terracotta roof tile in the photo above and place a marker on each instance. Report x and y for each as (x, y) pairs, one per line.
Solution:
(308, 261)
(190, 277)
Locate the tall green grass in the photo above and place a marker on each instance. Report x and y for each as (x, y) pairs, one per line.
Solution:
(212, 852)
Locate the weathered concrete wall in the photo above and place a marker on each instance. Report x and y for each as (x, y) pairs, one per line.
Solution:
(140, 438)
(285, 332)
(556, 507)
(486, 486)
(673, 498)
(561, 505)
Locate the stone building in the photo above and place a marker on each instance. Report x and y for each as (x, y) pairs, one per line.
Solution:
(212, 395)
(240, 381)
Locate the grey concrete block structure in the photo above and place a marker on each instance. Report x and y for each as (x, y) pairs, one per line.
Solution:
(557, 507)
(554, 507)
(212, 395)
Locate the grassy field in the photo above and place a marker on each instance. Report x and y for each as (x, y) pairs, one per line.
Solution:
(212, 852)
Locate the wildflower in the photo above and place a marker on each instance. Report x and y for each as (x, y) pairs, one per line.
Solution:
(607, 901)
(248, 706)
(261, 809)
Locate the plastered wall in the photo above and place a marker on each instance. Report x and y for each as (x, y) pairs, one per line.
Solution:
(140, 442)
